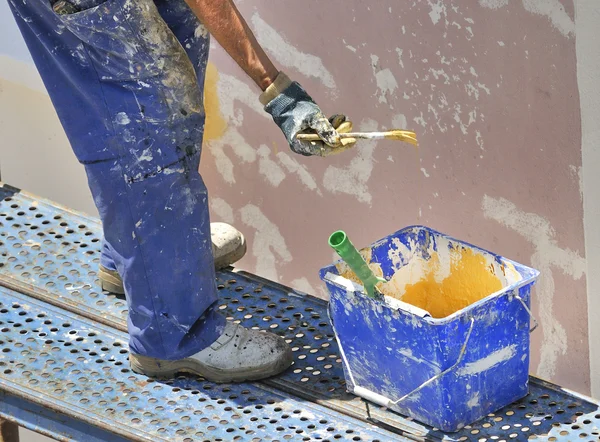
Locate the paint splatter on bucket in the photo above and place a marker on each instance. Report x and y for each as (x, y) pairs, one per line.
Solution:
(449, 341)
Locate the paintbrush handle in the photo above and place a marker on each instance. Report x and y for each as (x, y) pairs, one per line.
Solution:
(394, 134)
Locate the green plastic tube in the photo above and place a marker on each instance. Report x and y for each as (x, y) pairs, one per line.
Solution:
(343, 246)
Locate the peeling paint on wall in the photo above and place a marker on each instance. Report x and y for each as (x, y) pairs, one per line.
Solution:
(268, 245)
(288, 56)
(493, 4)
(222, 209)
(293, 166)
(386, 82)
(303, 285)
(552, 9)
(547, 256)
(555, 11)
(353, 178)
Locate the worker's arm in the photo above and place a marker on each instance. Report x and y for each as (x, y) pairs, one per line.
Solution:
(293, 110)
(228, 27)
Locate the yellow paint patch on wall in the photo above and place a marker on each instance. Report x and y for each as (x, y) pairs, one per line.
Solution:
(471, 278)
(215, 125)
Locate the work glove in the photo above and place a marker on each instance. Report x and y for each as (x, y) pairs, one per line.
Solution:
(295, 112)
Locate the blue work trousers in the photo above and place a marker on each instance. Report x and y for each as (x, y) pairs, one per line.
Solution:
(126, 80)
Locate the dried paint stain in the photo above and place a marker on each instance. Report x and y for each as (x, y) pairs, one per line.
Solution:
(215, 125)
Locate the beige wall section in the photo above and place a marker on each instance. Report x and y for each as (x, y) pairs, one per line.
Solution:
(35, 153)
(588, 71)
(491, 88)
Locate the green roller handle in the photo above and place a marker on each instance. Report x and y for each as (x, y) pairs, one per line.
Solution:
(341, 244)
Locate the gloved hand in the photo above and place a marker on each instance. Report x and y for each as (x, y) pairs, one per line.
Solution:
(294, 111)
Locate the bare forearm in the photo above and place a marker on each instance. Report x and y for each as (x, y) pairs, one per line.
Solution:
(228, 27)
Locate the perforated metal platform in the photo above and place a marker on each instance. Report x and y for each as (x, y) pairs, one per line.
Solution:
(51, 254)
(69, 363)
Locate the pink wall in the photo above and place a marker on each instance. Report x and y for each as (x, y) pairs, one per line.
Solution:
(490, 88)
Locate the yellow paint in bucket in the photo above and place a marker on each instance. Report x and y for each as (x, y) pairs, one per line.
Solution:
(470, 279)
(439, 285)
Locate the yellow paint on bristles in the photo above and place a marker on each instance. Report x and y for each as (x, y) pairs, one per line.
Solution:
(407, 136)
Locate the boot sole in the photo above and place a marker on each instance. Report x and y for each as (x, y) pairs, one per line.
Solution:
(160, 369)
(114, 285)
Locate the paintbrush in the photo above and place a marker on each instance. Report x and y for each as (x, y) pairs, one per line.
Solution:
(393, 134)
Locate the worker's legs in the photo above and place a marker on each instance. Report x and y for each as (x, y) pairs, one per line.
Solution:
(129, 100)
(194, 39)
(168, 270)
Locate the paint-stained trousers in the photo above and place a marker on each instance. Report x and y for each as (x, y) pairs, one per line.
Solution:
(126, 79)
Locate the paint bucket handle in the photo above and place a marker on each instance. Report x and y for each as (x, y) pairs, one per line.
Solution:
(535, 323)
(461, 355)
(386, 402)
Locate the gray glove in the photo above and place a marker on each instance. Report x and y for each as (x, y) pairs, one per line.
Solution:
(294, 111)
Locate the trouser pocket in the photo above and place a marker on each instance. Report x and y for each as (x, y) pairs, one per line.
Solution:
(149, 84)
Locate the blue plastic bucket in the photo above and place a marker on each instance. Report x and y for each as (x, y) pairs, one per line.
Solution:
(446, 372)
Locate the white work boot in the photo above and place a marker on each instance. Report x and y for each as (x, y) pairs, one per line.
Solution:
(228, 246)
(238, 355)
